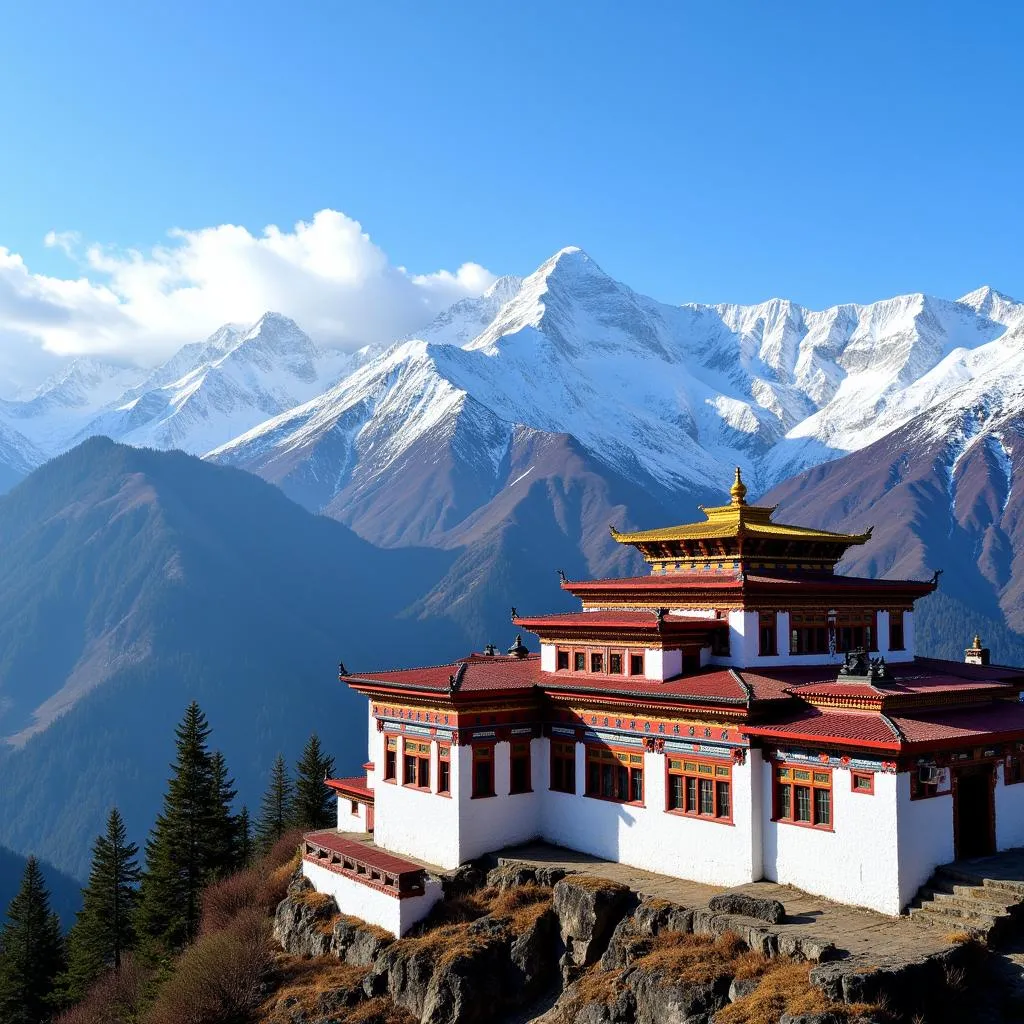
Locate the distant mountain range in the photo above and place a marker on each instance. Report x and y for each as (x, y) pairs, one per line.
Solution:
(461, 467)
(131, 582)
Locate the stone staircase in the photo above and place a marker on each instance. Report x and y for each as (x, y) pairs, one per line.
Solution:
(965, 898)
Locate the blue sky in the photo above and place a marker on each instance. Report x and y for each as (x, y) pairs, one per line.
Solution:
(711, 152)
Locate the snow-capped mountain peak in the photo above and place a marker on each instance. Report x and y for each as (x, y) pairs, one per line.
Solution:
(986, 301)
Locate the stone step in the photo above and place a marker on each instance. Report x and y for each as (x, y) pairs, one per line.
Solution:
(952, 911)
(972, 900)
(978, 926)
(955, 875)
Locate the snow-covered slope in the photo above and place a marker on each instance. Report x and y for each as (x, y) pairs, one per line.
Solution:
(670, 398)
(213, 390)
(62, 405)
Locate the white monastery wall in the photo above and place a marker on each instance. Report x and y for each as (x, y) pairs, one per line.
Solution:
(548, 661)
(662, 665)
(650, 837)
(856, 863)
(489, 823)
(413, 822)
(1009, 813)
(347, 821)
(925, 837)
(371, 905)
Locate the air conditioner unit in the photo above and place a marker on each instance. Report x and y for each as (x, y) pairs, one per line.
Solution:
(928, 774)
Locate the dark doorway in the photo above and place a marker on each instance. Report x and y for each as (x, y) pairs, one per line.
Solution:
(973, 812)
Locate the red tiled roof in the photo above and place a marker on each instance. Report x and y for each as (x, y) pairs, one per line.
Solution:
(665, 581)
(354, 785)
(621, 620)
(366, 853)
(482, 673)
(990, 721)
(849, 728)
(732, 580)
(716, 685)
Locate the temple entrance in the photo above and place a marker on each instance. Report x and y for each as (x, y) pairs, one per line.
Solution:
(974, 830)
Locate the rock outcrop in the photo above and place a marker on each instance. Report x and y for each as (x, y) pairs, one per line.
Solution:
(588, 910)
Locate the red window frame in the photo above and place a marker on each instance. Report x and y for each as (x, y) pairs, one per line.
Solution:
(767, 635)
(563, 766)
(869, 777)
(604, 774)
(483, 753)
(444, 769)
(416, 762)
(1013, 769)
(390, 758)
(793, 779)
(698, 776)
(518, 757)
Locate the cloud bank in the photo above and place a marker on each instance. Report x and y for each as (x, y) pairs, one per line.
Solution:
(327, 274)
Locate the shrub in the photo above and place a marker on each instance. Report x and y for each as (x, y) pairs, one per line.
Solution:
(218, 979)
(115, 998)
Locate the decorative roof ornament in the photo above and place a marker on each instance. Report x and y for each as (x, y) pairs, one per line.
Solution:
(738, 491)
(935, 578)
(455, 680)
(660, 615)
(515, 614)
(561, 575)
(518, 648)
(977, 641)
(490, 650)
(342, 671)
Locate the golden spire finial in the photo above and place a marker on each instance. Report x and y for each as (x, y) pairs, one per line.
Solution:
(738, 490)
(977, 641)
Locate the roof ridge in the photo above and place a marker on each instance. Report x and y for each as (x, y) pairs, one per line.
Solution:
(748, 690)
(896, 731)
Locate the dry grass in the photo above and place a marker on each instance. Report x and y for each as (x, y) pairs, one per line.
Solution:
(593, 883)
(305, 982)
(379, 1011)
(958, 938)
(786, 987)
(695, 959)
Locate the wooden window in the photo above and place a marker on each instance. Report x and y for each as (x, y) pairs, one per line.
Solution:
(354, 806)
(720, 642)
(700, 788)
(803, 796)
(855, 629)
(636, 664)
(563, 766)
(519, 774)
(615, 663)
(483, 770)
(597, 662)
(862, 782)
(444, 768)
(1013, 769)
(562, 661)
(390, 758)
(615, 775)
(417, 765)
(896, 631)
(579, 661)
(767, 635)
(808, 633)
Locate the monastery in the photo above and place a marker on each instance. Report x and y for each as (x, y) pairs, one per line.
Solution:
(742, 712)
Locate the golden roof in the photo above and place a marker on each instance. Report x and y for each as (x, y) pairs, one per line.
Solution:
(735, 519)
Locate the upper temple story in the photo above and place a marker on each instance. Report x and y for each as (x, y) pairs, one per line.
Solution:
(740, 537)
(737, 590)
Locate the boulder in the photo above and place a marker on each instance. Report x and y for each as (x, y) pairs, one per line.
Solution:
(588, 910)
(512, 873)
(662, 999)
(467, 988)
(534, 957)
(742, 987)
(303, 923)
(740, 903)
(358, 943)
(651, 917)
(403, 972)
(466, 878)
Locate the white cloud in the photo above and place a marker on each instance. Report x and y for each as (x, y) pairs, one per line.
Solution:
(326, 274)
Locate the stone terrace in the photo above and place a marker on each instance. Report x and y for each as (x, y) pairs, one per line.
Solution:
(861, 937)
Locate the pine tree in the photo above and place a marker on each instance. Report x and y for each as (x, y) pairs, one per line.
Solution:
(244, 837)
(313, 802)
(224, 849)
(181, 851)
(104, 929)
(277, 808)
(31, 953)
